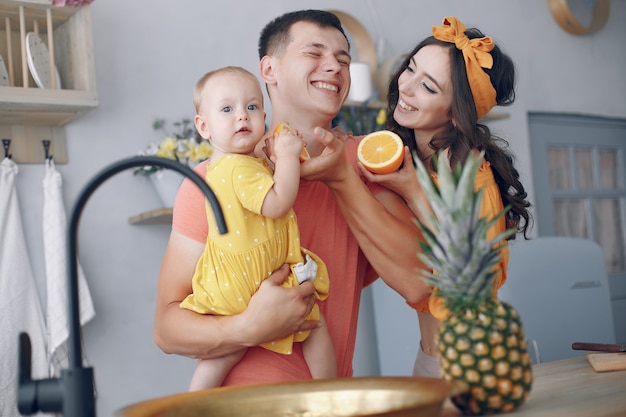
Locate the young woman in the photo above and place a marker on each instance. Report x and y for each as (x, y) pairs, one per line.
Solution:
(437, 97)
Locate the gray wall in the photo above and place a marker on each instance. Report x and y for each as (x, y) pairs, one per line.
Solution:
(149, 55)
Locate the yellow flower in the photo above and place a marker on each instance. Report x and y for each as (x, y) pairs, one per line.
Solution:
(381, 118)
(168, 148)
(181, 146)
(200, 151)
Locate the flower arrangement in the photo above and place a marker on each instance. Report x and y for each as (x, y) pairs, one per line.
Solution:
(184, 146)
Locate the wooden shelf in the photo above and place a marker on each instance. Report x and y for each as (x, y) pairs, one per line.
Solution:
(67, 34)
(43, 107)
(494, 115)
(71, 50)
(156, 216)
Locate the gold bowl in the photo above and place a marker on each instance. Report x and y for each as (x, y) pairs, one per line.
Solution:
(371, 396)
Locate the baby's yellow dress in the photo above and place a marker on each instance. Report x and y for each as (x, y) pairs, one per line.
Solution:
(233, 265)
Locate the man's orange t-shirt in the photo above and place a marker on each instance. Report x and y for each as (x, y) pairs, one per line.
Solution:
(324, 231)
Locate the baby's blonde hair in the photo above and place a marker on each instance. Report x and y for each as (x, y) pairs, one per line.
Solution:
(197, 91)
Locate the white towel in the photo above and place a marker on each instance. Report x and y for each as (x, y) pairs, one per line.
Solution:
(56, 257)
(20, 309)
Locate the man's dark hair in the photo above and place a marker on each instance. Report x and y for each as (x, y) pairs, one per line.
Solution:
(275, 35)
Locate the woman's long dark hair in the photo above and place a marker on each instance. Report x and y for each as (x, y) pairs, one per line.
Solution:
(466, 133)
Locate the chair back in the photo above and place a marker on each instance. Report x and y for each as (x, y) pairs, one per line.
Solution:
(559, 286)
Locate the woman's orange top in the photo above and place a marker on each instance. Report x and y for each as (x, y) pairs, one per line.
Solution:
(491, 205)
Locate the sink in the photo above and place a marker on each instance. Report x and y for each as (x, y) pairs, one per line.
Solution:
(363, 396)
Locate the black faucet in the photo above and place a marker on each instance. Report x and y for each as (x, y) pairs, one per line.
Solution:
(72, 395)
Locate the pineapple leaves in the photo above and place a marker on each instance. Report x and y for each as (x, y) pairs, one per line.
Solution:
(459, 257)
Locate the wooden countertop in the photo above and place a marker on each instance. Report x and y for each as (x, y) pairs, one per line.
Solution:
(569, 387)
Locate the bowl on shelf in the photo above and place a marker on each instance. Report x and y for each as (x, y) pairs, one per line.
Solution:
(363, 396)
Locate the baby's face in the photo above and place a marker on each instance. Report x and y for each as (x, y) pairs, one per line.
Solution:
(232, 111)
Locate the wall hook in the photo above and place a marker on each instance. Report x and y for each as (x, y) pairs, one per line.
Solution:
(46, 149)
(6, 143)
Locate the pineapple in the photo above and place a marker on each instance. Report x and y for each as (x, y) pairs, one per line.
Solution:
(482, 349)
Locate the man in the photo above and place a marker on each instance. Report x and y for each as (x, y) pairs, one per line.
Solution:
(305, 63)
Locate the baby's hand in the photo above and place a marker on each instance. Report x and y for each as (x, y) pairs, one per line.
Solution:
(289, 142)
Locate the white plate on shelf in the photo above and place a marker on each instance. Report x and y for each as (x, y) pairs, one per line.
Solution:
(4, 75)
(39, 61)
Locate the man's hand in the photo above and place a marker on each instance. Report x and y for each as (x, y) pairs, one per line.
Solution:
(277, 311)
(331, 165)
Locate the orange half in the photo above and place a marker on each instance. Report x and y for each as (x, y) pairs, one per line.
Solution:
(381, 152)
(304, 154)
(283, 126)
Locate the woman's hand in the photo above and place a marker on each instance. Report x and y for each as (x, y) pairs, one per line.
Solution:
(403, 182)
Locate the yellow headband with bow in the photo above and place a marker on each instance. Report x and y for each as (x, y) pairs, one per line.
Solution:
(477, 56)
